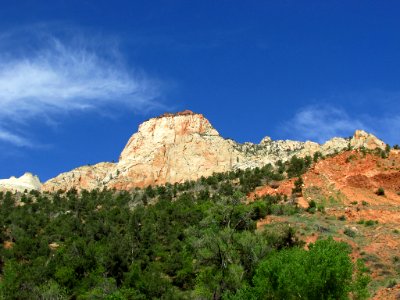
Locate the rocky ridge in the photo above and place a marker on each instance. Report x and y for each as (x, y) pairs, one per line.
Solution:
(25, 182)
(185, 146)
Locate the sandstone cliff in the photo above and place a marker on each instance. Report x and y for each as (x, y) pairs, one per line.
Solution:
(86, 177)
(25, 182)
(185, 146)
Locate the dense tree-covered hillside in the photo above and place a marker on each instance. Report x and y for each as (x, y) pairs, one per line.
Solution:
(196, 240)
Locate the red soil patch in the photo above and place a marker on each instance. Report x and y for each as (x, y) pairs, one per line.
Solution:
(388, 293)
(352, 179)
(359, 181)
(285, 188)
(356, 176)
(310, 240)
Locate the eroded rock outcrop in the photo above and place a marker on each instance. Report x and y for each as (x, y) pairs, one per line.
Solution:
(86, 177)
(173, 148)
(185, 146)
(26, 182)
(367, 140)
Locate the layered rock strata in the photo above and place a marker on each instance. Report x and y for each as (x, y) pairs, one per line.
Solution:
(185, 146)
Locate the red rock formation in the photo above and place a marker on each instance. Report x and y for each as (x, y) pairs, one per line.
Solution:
(185, 146)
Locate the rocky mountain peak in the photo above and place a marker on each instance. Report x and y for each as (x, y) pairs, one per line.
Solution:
(367, 140)
(168, 129)
(184, 122)
(185, 112)
(266, 140)
(176, 147)
(28, 181)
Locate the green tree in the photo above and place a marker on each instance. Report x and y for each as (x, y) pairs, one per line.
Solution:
(298, 187)
(297, 166)
(323, 272)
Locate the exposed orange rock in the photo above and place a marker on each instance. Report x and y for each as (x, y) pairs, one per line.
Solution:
(185, 146)
(352, 179)
(86, 177)
(351, 173)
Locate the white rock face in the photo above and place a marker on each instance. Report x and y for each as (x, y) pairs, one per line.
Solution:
(25, 182)
(184, 146)
(173, 149)
(367, 140)
(86, 177)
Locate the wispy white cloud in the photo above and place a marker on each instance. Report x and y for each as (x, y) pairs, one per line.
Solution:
(14, 139)
(57, 76)
(389, 128)
(322, 122)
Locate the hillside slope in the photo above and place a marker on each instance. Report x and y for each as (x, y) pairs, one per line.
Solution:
(185, 146)
(345, 189)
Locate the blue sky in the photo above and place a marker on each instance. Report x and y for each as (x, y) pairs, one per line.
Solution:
(78, 77)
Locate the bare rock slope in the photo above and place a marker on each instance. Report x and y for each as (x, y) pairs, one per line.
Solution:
(25, 182)
(185, 146)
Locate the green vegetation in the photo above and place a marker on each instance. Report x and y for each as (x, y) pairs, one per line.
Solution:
(178, 241)
(391, 283)
(387, 149)
(351, 158)
(323, 272)
(349, 232)
(317, 155)
(367, 222)
(312, 206)
(370, 223)
(112, 243)
(380, 192)
(96, 244)
(298, 187)
(298, 166)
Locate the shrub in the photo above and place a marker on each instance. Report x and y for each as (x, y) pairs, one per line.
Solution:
(317, 155)
(342, 218)
(350, 158)
(312, 206)
(289, 210)
(321, 208)
(380, 192)
(297, 166)
(298, 187)
(323, 272)
(392, 283)
(349, 232)
(259, 210)
(370, 223)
